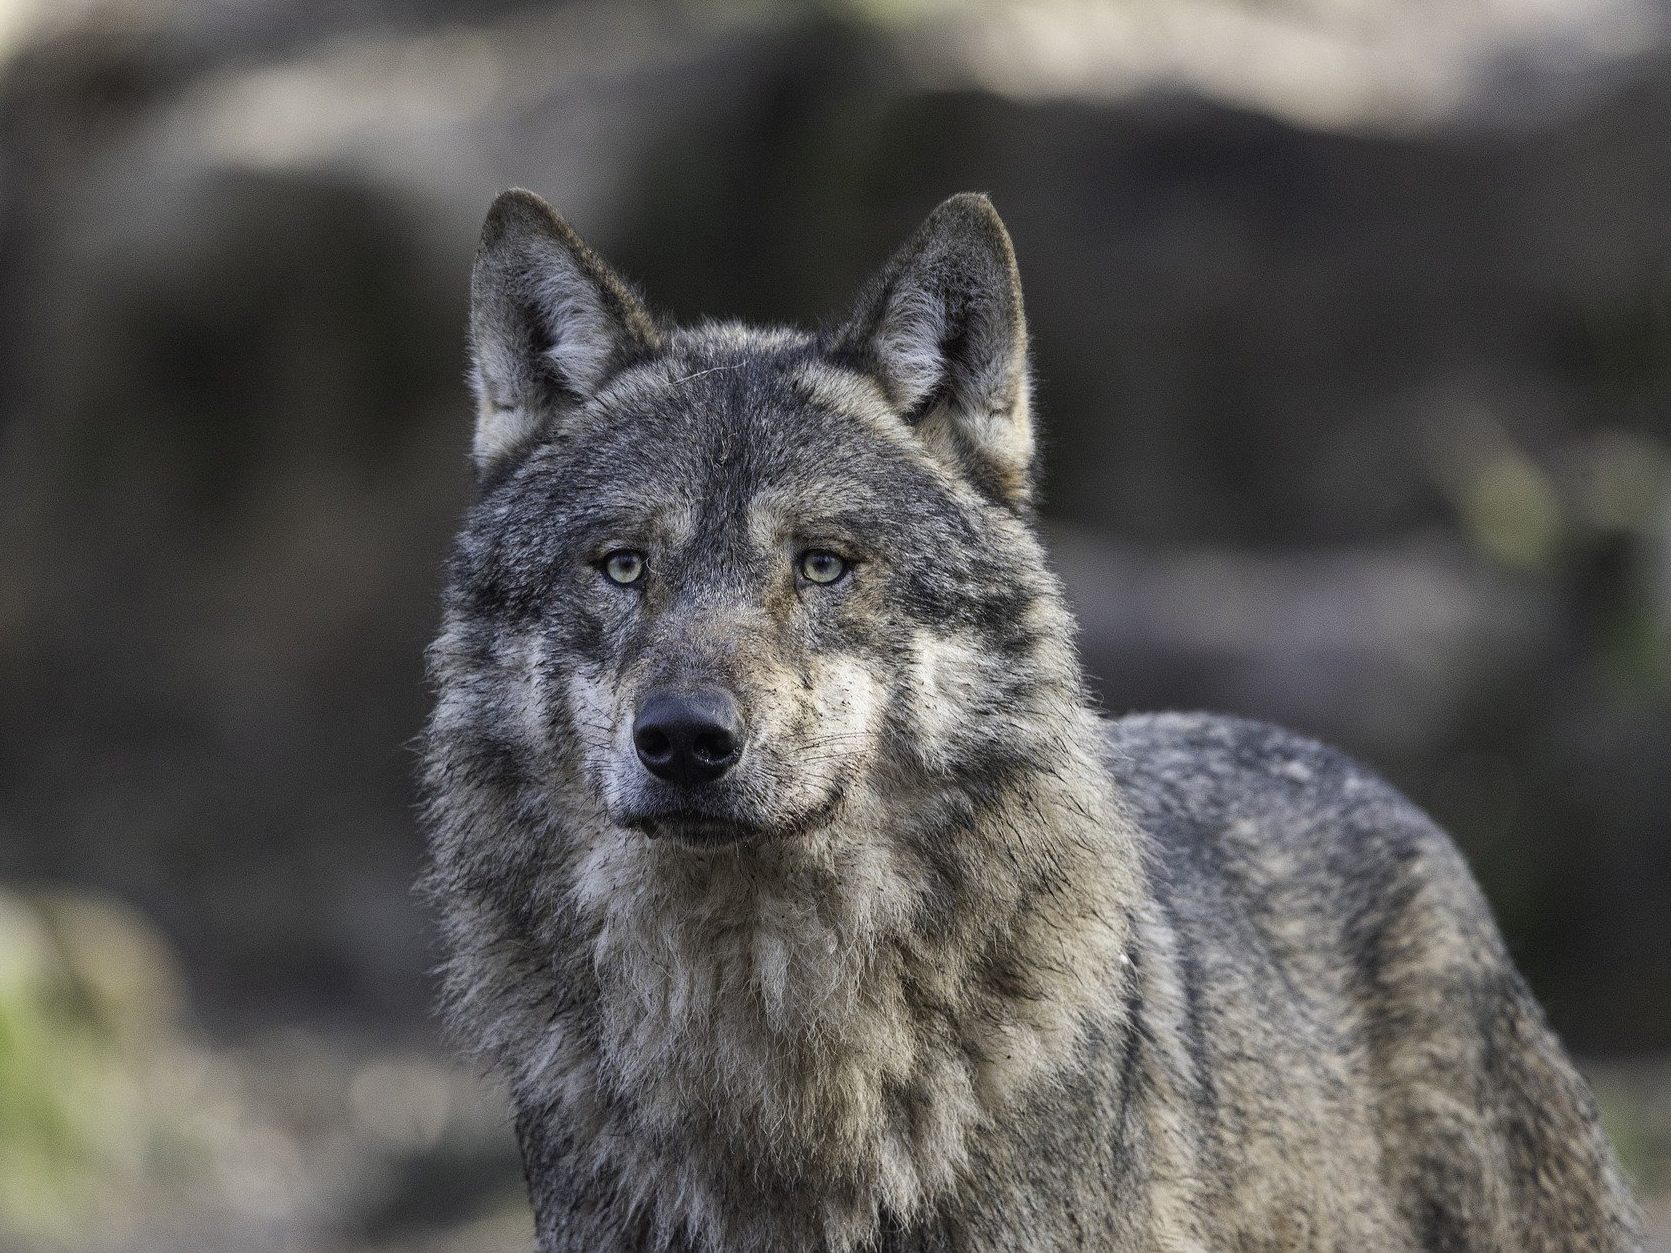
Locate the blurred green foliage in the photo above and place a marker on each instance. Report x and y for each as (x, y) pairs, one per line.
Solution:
(124, 1130)
(87, 991)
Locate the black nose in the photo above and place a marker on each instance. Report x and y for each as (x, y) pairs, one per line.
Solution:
(689, 737)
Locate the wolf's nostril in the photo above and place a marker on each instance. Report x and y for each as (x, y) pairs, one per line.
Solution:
(714, 746)
(652, 742)
(689, 738)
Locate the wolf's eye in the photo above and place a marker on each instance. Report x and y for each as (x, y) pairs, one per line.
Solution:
(623, 566)
(822, 566)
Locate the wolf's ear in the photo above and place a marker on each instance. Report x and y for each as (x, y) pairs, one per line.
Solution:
(941, 328)
(549, 322)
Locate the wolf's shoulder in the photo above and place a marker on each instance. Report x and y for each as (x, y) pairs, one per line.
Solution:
(1259, 807)
(1208, 764)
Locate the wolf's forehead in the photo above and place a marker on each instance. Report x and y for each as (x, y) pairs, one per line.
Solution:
(773, 433)
(758, 513)
(742, 381)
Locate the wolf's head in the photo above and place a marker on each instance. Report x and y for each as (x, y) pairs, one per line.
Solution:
(734, 582)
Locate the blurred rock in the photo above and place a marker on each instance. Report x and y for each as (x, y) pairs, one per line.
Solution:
(1390, 647)
(1357, 401)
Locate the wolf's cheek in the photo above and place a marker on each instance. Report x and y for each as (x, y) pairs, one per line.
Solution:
(947, 684)
(597, 730)
(847, 706)
(519, 710)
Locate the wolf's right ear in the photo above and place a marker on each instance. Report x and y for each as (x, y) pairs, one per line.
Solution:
(549, 322)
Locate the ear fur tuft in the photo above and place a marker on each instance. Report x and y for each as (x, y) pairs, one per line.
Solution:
(549, 323)
(941, 328)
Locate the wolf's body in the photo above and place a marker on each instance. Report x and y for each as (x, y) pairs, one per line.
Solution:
(918, 953)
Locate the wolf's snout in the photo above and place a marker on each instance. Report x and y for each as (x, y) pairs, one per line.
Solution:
(689, 738)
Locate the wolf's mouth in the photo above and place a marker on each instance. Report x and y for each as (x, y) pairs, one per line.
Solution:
(715, 830)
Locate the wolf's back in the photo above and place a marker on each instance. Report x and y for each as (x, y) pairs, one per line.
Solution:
(1372, 1061)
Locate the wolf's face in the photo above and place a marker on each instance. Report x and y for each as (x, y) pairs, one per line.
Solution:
(720, 571)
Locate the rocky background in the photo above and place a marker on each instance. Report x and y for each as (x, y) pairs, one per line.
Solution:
(1353, 342)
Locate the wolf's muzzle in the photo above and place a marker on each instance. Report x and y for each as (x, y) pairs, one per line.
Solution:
(689, 738)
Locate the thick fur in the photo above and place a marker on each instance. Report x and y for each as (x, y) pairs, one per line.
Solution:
(947, 962)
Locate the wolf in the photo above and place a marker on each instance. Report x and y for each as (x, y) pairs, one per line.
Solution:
(802, 900)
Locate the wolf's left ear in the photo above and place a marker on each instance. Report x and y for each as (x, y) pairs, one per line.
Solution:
(549, 322)
(941, 328)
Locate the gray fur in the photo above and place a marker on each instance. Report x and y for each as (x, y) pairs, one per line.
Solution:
(966, 968)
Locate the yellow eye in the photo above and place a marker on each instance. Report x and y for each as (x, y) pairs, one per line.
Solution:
(623, 566)
(821, 566)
